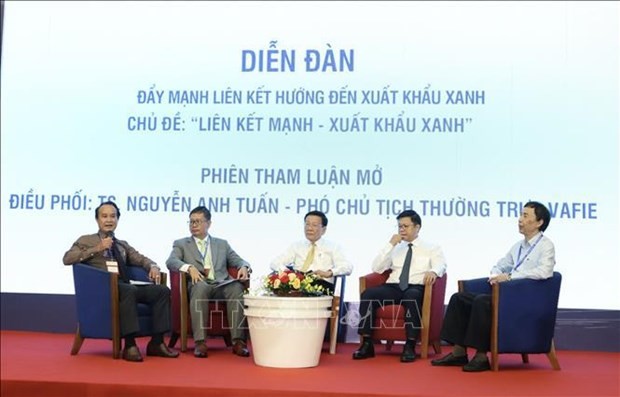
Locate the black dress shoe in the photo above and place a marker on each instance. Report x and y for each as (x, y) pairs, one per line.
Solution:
(132, 354)
(477, 365)
(366, 350)
(160, 350)
(408, 355)
(450, 360)
(240, 349)
(200, 350)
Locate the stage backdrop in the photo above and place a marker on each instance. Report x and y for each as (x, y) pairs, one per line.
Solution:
(264, 111)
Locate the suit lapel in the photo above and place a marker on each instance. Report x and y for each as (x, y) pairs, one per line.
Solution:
(193, 252)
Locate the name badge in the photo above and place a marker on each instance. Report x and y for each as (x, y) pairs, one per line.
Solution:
(112, 266)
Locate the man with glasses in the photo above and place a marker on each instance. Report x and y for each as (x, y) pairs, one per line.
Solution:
(205, 260)
(413, 263)
(315, 254)
(467, 322)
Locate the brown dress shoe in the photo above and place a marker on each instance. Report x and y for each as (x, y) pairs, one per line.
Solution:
(160, 350)
(241, 349)
(132, 354)
(200, 350)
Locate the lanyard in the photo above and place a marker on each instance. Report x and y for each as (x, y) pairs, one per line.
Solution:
(202, 255)
(519, 260)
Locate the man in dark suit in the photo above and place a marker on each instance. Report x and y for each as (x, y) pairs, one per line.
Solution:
(101, 250)
(205, 260)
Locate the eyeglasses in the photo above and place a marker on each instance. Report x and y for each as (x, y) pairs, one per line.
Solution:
(404, 226)
(313, 226)
(195, 222)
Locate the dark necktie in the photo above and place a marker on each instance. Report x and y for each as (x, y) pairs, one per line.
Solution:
(122, 267)
(404, 275)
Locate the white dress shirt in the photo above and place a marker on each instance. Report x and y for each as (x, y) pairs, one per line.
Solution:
(327, 256)
(537, 259)
(426, 257)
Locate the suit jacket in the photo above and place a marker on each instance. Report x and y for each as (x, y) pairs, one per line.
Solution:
(185, 251)
(84, 251)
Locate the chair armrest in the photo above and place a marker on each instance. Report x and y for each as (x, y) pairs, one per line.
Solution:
(233, 271)
(95, 294)
(343, 279)
(373, 280)
(475, 286)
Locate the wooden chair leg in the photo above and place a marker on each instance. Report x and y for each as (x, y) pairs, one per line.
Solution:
(333, 325)
(525, 358)
(424, 349)
(388, 345)
(426, 320)
(77, 342)
(183, 341)
(553, 358)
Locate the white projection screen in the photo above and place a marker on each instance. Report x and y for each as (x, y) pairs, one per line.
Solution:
(462, 111)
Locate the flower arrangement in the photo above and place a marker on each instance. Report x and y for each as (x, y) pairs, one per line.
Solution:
(293, 283)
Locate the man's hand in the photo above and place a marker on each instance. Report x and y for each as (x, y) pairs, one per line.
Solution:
(499, 278)
(243, 274)
(105, 244)
(429, 278)
(396, 239)
(324, 273)
(154, 274)
(195, 274)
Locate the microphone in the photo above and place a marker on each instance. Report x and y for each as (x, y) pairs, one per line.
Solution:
(109, 253)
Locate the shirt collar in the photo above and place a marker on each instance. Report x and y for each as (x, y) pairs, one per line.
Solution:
(532, 240)
(414, 243)
(206, 239)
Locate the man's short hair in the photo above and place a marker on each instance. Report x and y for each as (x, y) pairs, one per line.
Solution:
(415, 218)
(112, 203)
(542, 213)
(319, 214)
(202, 210)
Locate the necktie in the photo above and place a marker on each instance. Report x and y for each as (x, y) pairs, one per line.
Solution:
(122, 266)
(309, 259)
(206, 259)
(404, 275)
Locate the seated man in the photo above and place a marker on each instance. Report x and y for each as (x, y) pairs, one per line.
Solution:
(205, 259)
(315, 254)
(467, 322)
(101, 248)
(413, 263)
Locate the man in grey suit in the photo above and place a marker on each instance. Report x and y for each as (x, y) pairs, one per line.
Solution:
(205, 260)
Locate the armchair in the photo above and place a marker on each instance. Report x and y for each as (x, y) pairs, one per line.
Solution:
(523, 316)
(390, 319)
(96, 295)
(217, 320)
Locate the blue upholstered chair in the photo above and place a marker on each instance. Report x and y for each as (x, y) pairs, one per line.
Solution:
(523, 315)
(96, 295)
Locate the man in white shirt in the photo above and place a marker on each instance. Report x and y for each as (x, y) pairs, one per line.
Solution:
(467, 322)
(413, 264)
(315, 254)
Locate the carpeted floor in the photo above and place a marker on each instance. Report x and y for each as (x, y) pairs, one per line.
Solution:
(38, 364)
